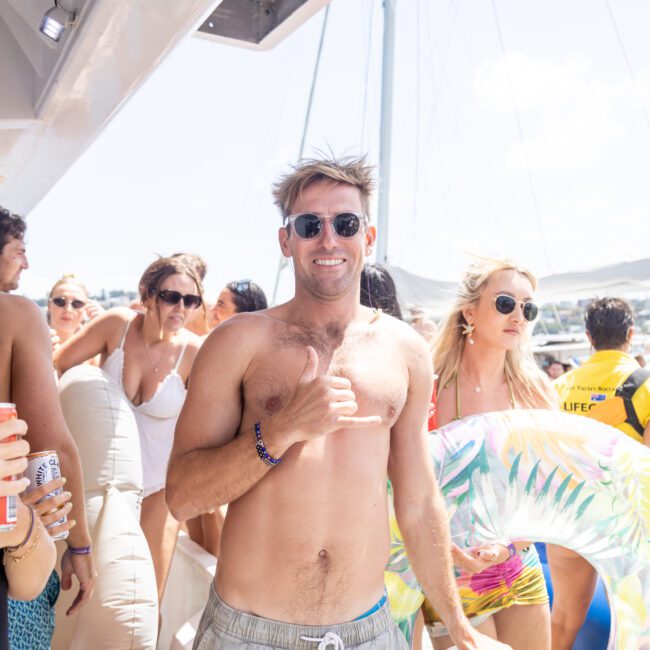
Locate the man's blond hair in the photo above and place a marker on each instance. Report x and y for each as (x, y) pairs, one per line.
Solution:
(350, 171)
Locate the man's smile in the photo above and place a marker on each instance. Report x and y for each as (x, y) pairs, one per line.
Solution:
(329, 261)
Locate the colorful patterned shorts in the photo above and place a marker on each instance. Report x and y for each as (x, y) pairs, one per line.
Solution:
(517, 581)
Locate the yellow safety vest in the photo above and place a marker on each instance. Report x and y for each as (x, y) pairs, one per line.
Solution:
(610, 387)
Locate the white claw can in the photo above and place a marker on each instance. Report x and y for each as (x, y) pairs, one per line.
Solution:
(43, 467)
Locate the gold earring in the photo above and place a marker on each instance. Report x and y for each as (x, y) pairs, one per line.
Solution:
(468, 330)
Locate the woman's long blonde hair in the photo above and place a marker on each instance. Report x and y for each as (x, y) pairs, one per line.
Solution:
(528, 380)
(68, 278)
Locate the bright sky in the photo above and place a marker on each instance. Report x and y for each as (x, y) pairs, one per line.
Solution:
(532, 142)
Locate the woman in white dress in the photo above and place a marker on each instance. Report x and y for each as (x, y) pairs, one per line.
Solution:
(149, 355)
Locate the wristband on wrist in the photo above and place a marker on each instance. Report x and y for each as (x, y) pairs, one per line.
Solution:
(264, 455)
(80, 550)
(512, 550)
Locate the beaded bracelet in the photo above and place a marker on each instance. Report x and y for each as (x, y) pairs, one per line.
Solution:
(32, 517)
(264, 455)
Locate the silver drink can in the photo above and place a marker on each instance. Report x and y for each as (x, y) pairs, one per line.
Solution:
(43, 467)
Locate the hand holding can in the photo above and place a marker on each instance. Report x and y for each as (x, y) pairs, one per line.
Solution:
(13, 452)
(51, 503)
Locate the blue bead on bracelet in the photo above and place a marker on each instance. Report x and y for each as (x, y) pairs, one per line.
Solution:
(264, 455)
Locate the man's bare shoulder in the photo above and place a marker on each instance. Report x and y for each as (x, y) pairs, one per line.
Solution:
(413, 349)
(231, 346)
(242, 329)
(403, 332)
(20, 312)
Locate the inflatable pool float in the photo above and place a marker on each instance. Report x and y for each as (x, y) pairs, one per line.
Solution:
(550, 477)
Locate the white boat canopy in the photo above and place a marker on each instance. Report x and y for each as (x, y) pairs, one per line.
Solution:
(56, 97)
(435, 296)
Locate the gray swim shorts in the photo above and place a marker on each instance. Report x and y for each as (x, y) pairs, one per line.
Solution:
(225, 628)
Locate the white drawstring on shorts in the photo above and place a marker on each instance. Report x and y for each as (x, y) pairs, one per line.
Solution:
(330, 639)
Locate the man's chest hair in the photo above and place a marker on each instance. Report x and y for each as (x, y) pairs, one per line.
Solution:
(372, 363)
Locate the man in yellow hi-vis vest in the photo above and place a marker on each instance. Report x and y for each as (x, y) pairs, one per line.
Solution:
(610, 387)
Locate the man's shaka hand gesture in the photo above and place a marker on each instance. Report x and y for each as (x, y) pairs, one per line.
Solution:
(321, 405)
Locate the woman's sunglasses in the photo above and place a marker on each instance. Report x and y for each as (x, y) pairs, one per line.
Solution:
(505, 304)
(174, 297)
(241, 287)
(308, 226)
(60, 301)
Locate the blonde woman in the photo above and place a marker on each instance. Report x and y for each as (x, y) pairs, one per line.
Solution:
(483, 365)
(68, 309)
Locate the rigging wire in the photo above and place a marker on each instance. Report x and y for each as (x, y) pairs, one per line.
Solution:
(451, 117)
(314, 78)
(522, 142)
(628, 64)
(271, 136)
(284, 261)
(367, 77)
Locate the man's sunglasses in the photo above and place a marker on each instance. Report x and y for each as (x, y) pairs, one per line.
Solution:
(60, 301)
(174, 297)
(308, 226)
(505, 304)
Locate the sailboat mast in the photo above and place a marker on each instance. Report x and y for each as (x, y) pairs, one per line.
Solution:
(385, 130)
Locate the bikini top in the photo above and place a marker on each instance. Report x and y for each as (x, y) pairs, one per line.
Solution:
(513, 401)
(168, 399)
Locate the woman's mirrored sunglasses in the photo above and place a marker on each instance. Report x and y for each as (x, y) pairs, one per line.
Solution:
(308, 226)
(174, 297)
(505, 304)
(60, 301)
(240, 286)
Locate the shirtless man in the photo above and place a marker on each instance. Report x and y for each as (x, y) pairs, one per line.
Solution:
(338, 395)
(13, 257)
(27, 379)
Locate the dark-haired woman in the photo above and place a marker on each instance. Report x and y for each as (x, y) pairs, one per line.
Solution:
(237, 297)
(149, 355)
(378, 290)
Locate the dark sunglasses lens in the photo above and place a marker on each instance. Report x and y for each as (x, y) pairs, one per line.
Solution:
(59, 302)
(505, 304)
(530, 311)
(192, 302)
(77, 304)
(346, 225)
(308, 226)
(170, 297)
